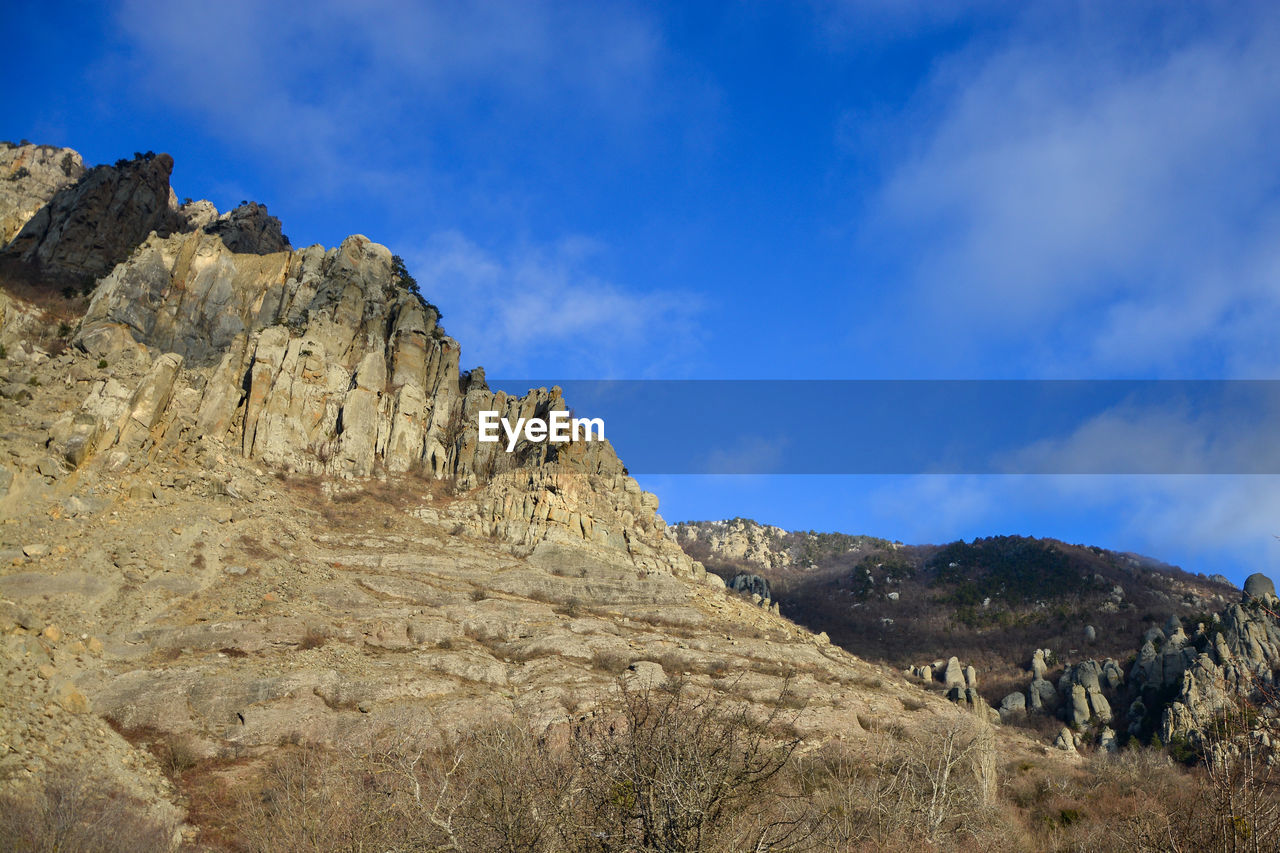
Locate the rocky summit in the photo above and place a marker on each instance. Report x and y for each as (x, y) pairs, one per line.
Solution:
(253, 547)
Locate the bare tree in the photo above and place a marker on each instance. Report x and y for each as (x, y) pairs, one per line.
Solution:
(1241, 812)
(70, 811)
(671, 771)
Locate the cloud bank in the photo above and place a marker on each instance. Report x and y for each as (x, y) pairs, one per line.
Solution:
(1096, 196)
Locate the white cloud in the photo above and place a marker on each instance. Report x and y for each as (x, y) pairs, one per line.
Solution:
(1218, 430)
(541, 311)
(1227, 523)
(1099, 203)
(329, 86)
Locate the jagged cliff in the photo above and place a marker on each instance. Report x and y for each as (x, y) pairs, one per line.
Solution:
(30, 175)
(314, 361)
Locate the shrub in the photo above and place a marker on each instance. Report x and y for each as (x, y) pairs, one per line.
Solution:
(69, 810)
(400, 273)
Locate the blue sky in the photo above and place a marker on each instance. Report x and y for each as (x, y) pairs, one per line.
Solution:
(757, 190)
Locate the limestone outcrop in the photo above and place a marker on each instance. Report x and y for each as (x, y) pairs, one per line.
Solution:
(316, 362)
(1234, 657)
(30, 175)
(247, 229)
(248, 507)
(740, 539)
(88, 227)
(1178, 684)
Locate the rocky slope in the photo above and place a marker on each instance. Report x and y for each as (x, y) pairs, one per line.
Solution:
(1117, 646)
(244, 505)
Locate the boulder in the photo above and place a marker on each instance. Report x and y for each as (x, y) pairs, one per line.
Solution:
(1078, 708)
(1112, 675)
(1042, 695)
(953, 675)
(1038, 665)
(1065, 741)
(1086, 674)
(1013, 706)
(1099, 707)
(1107, 740)
(1258, 585)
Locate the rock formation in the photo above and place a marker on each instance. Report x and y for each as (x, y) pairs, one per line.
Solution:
(1178, 683)
(312, 361)
(247, 229)
(87, 228)
(1259, 586)
(1235, 657)
(739, 539)
(248, 507)
(30, 175)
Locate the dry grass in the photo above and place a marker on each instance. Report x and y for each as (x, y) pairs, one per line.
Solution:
(60, 301)
(611, 662)
(571, 608)
(255, 548)
(919, 786)
(369, 500)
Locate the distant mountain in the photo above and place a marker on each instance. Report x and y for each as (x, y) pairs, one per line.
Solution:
(991, 601)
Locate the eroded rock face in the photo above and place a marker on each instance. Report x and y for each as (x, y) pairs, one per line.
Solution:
(89, 227)
(30, 175)
(320, 362)
(237, 609)
(740, 539)
(315, 361)
(249, 229)
(953, 675)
